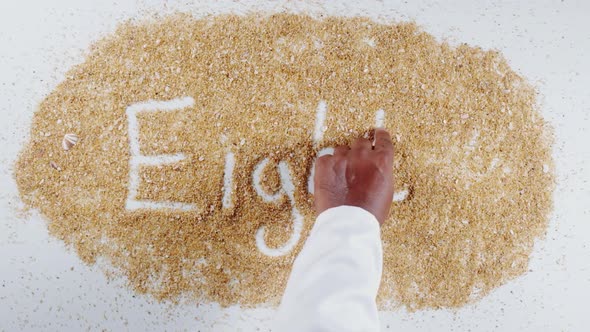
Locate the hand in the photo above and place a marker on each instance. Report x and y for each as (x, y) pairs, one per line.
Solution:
(358, 176)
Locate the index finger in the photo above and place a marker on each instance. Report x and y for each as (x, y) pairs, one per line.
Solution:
(383, 141)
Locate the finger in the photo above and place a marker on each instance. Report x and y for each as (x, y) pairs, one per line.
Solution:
(383, 142)
(341, 150)
(361, 144)
(323, 160)
(322, 168)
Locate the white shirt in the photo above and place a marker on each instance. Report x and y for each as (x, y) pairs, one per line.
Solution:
(335, 278)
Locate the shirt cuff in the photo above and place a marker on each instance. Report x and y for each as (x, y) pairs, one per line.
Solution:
(351, 213)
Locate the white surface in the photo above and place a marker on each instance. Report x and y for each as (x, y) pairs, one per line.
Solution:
(287, 188)
(137, 160)
(43, 285)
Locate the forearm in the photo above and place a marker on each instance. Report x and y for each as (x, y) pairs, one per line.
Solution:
(335, 278)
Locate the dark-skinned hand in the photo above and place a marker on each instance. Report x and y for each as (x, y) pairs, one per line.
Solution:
(360, 175)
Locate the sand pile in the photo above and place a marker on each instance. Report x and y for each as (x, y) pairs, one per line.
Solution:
(188, 138)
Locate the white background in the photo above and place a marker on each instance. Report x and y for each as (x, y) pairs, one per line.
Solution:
(44, 286)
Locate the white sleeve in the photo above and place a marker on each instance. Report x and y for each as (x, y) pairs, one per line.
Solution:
(335, 278)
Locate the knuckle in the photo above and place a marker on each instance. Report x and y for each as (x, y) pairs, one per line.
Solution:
(384, 156)
(323, 160)
(361, 141)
